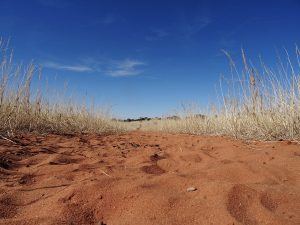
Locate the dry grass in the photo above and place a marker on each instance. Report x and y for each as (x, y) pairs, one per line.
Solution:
(255, 104)
(25, 110)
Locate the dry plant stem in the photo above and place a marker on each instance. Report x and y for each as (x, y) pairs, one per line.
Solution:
(23, 109)
(105, 173)
(256, 103)
(4, 138)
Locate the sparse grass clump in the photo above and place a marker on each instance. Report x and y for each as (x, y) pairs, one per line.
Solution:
(254, 104)
(24, 110)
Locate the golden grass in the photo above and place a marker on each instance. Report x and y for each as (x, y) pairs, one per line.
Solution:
(25, 110)
(255, 104)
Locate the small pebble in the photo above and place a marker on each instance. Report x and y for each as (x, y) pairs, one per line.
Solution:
(190, 189)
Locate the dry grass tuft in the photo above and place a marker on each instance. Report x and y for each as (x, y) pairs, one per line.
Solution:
(23, 110)
(255, 104)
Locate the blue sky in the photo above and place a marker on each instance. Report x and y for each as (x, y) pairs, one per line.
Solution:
(145, 58)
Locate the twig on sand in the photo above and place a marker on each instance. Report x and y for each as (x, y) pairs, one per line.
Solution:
(105, 173)
(4, 138)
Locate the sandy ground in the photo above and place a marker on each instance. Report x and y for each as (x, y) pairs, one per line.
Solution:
(141, 178)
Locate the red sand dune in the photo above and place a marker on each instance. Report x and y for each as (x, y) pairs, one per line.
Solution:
(142, 178)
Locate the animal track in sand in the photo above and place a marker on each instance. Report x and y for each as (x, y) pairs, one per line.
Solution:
(147, 184)
(157, 156)
(6, 163)
(268, 202)
(153, 169)
(77, 213)
(240, 198)
(191, 158)
(26, 179)
(8, 208)
(63, 160)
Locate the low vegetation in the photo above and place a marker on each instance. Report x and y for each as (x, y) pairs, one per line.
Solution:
(23, 109)
(254, 104)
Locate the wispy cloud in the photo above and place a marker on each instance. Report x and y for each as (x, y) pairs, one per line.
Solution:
(157, 34)
(73, 68)
(114, 68)
(124, 68)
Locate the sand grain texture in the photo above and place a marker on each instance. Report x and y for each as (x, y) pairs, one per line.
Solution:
(142, 178)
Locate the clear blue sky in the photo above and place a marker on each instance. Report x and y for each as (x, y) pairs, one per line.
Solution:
(145, 57)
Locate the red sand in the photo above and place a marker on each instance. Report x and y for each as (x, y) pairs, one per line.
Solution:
(142, 178)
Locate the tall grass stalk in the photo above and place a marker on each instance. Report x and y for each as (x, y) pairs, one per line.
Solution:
(255, 103)
(25, 110)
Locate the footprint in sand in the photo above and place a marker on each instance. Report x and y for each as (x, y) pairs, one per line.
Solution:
(27, 179)
(268, 202)
(75, 213)
(248, 205)
(63, 160)
(191, 158)
(240, 198)
(8, 208)
(153, 169)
